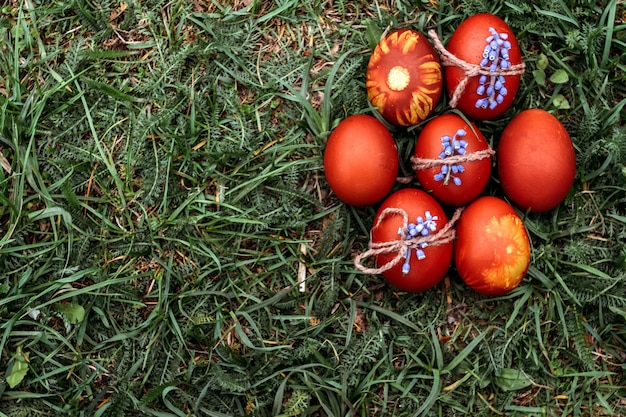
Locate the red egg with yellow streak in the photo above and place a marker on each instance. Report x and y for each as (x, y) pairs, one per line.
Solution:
(404, 77)
(492, 250)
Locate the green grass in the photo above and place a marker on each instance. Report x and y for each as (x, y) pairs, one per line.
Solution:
(162, 190)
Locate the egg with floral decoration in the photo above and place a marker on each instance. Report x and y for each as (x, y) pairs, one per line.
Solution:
(409, 221)
(492, 248)
(452, 159)
(536, 161)
(483, 74)
(404, 78)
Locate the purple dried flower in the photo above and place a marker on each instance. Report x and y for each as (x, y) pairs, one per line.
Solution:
(495, 56)
(424, 226)
(450, 147)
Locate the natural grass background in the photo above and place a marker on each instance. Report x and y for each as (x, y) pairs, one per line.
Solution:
(162, 190)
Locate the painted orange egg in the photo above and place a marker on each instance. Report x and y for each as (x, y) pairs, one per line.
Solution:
(361, 160)
(492, 250)
(536, 161)
(404, 78)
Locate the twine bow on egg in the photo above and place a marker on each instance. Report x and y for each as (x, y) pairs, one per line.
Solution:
(470, 70)
(450, 161)
(406, 243)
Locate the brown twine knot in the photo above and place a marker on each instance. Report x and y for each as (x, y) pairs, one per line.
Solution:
(400, 246)
(470, 70)
(425, 163)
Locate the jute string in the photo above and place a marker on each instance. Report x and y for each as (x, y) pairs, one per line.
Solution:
(423, 163)
(470, 70)
(401, 245)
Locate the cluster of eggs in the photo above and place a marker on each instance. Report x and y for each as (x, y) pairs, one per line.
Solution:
(535, 158)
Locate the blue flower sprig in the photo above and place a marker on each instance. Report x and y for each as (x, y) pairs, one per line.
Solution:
(452, 146)
(425, 226)
(495, 58)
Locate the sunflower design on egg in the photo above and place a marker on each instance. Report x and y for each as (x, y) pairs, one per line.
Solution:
(404, 78)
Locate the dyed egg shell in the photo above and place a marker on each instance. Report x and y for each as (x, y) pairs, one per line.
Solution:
(536, 161)
(448, 136)
(422, 269)
(404, 79)
(486, 40)
(361, 160)
(492, 249)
